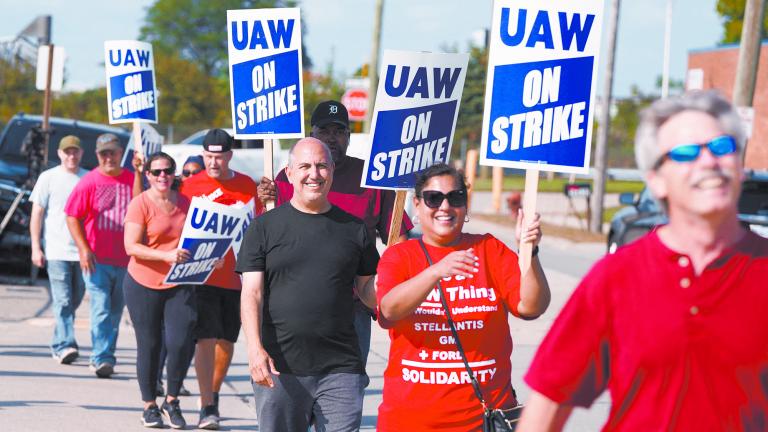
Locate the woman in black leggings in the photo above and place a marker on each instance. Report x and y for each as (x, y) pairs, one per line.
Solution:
(153, 227)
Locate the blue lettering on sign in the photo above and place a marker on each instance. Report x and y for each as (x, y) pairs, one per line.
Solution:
(209, 221)
(539, 112)
(280, 34)
(128, 57)
(133, 96)
(267, 95)
(408, 141)
(443, 81)
(204, 253)
(541, 30)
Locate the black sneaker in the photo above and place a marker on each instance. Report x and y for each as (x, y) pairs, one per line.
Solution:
(172, 413)
(103, 369)
(151, 417)
(209, 419)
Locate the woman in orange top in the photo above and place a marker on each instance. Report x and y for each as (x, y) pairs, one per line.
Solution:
(426, 385)
(153, 225)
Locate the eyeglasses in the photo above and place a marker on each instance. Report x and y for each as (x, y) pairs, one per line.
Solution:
(187, 173)
(330, 131)
(434, 199)
(720, 146)
(156, 172)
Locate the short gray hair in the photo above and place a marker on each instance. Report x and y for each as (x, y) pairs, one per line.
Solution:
(310, 140)
(709, 102)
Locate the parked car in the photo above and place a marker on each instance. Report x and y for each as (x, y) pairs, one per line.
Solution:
(248, 155)
(644, 213)
(14, 238)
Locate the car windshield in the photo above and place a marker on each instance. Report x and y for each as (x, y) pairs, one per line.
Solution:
(13, 141)
(754, 198)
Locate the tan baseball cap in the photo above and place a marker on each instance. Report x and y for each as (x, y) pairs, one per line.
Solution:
(69, 141)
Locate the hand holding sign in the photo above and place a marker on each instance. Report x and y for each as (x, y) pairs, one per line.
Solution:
(177, 256)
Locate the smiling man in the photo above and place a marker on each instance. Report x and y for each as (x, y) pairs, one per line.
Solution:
(300, 263)
(673, 325)
(95, 217)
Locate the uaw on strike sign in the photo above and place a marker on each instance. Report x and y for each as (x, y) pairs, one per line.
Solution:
(541, 84)
(417, 104)
(264, 47)
(130, 68)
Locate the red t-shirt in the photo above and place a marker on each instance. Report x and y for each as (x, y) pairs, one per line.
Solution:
(239, 189)
(373, 206)
(677, 351)
(426, 386)
(101, 201)
(162, 231)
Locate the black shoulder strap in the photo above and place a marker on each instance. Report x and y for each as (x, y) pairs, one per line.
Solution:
(475, 384)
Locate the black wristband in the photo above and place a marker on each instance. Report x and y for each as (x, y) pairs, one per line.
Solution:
(534, 252)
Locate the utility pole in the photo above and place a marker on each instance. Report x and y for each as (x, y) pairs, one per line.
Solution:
(373, 66)
(601, 155)
(667, 48)
(749, 53)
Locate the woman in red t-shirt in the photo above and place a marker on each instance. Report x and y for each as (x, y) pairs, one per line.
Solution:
(153, 225)
(426, 386)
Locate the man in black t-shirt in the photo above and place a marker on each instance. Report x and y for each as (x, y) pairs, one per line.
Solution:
(300, 262)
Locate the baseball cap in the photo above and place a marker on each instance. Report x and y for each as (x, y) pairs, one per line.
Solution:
(217, 141)
(68, 142)
(330, 112)
(107, 141)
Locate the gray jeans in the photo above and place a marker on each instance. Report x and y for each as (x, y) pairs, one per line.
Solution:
(330, 403)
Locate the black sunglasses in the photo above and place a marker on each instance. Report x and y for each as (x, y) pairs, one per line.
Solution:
(433, 199)
(156, 172)
(187, 173)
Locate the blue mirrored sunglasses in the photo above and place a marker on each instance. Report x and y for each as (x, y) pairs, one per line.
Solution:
(719, 146)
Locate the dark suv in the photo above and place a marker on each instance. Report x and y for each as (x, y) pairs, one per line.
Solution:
(643, 214)
(14, 239)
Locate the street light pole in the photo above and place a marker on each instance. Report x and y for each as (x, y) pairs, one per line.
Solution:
(601, 154)
(667, 46)
(373, 66)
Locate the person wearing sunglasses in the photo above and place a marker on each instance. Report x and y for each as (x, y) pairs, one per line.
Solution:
(674, 324)
(192, 166)
(426, 387)
(161, 313)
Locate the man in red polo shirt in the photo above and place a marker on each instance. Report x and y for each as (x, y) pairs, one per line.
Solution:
(673, 325)
(330, 124)
(218, 301)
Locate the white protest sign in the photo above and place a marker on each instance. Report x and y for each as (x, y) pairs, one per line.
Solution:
(208, 233)
(131, 95)
(265, 73)
(417, 104)
(57, 68)
(540, 92)
(151, 143)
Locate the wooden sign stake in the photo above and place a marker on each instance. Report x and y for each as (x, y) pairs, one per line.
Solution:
(529, 210)
(397, 218)
(269, 171)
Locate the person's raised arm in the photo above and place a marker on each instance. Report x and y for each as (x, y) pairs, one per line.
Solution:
(138, 166)
(266, 190)
(251, 305)
(87, 257)
(404, 298)
(542, 414)
(534, 288)
(35, 228)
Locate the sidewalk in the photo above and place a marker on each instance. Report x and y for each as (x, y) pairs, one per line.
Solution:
(39, 395)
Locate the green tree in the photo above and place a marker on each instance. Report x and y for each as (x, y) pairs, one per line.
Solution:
(89, 105)
(17, 89)
(732, 12)
(197, 30)
(470, 121)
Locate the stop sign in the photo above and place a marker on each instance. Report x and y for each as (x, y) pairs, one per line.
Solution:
(356, 101)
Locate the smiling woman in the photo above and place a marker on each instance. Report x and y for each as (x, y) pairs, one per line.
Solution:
(425, 387)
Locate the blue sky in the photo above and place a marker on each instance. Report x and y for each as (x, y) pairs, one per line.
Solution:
(339, 32)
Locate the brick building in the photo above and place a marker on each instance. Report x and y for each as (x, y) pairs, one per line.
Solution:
(715, 68)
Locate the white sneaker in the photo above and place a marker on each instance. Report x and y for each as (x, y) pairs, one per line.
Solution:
(66, 356)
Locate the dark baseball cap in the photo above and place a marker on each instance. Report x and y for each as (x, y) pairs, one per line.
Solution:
(330, 112)
(218, 141)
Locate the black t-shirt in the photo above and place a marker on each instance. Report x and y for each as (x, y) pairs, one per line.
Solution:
(309, 262)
